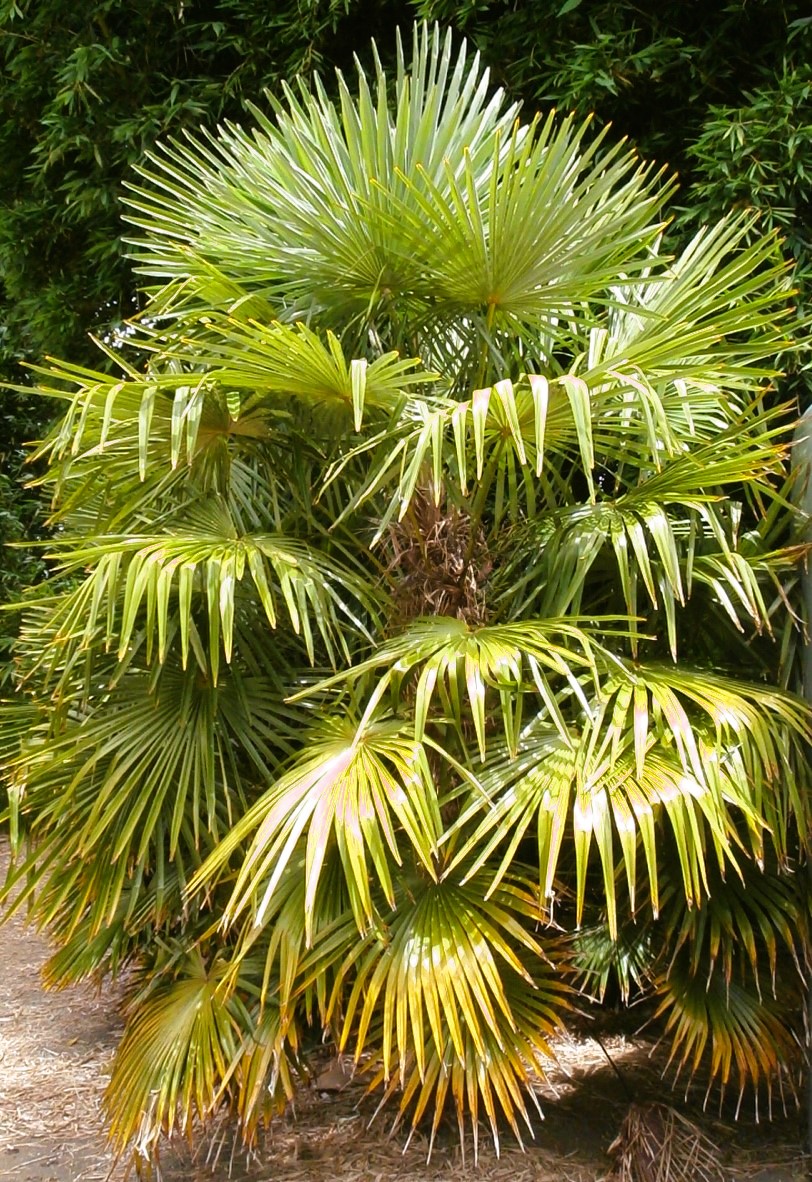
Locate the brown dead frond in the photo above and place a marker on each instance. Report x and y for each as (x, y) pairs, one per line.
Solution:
(437, 567)
(658, 1144)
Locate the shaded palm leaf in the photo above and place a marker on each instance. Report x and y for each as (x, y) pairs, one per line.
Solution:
(157, 580)
(740, 1038)
(174, 1053)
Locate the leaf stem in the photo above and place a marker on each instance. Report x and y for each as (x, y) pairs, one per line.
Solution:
(483, 361)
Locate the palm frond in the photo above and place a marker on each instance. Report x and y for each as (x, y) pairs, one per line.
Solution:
(718, 289)
(150, 771)
(153, 583)
(355, 784)
(174, 1053)
(641, 756)
(462, 661)
(369, 208)
(726, 1029)
(454, 994)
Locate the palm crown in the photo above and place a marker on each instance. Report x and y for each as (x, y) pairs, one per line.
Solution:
(423, 579)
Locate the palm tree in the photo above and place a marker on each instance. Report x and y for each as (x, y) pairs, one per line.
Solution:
(409, 665)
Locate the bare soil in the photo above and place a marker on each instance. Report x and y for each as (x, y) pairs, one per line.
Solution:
(55, 1055)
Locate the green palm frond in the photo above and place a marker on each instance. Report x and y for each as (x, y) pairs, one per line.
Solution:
(234, 392)
(623, 962)
(152, 583)
(590, 801)
(89, 951)
(747, 920)
(519, 424)
(293, 362)
(462, 662)
(439, 104)
(683, 329)
(264, 1074)
(639, 758)
(150, 771)
(174, 1053)
(759, 733)
(523, 436)
(353, 784)
(364, 204)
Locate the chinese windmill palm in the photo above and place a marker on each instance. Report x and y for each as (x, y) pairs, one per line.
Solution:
(419, 615)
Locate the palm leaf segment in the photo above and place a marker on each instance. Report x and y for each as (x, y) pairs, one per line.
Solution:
(404, 350)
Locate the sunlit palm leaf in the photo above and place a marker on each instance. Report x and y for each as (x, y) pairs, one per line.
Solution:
(430, 200)
(355, 785)
(716, 288)
(641, 754)
(293, 361)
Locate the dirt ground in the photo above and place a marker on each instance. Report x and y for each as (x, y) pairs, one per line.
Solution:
(55, 1053)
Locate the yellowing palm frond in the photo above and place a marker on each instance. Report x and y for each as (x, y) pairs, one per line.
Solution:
(454, 993)
(741, 1039)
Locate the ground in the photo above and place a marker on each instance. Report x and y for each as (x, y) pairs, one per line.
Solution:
(55, 1052)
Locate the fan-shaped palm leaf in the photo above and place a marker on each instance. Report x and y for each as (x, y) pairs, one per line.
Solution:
(353, 785)
(175, 1051)
(452, 992)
